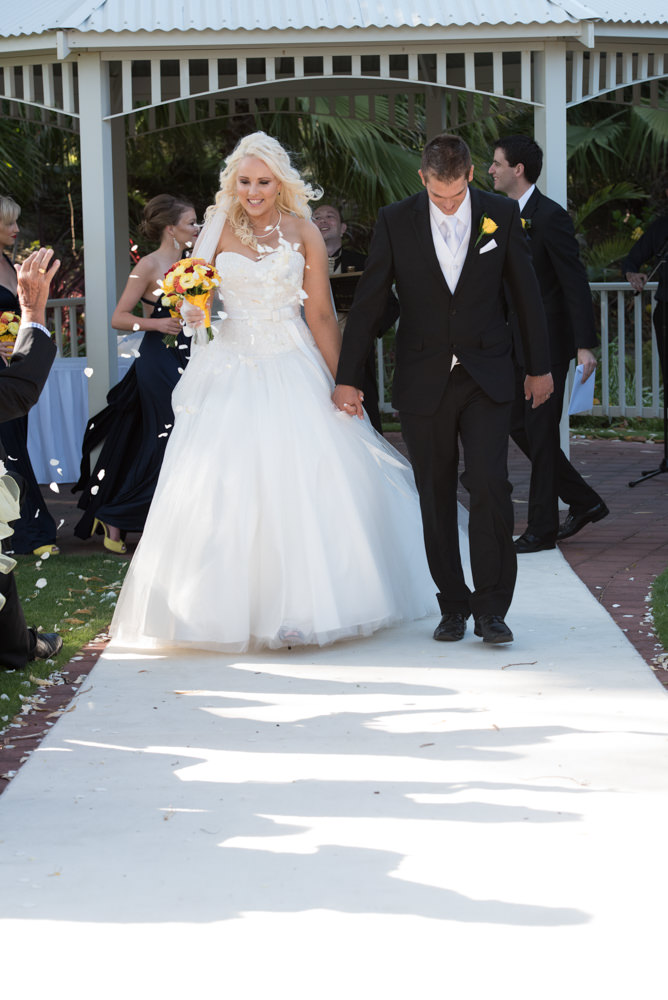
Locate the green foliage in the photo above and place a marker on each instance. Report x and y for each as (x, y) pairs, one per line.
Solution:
(660, 607)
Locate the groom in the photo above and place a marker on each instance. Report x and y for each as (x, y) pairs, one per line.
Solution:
(449, 250)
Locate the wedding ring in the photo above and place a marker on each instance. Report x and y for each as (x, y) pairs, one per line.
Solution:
(42, 270)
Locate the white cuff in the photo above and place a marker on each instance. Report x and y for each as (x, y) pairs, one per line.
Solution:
(26, 326)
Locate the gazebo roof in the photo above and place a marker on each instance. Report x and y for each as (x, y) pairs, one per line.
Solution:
(252, 15)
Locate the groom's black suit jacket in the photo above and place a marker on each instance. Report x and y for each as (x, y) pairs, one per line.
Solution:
(435, 324)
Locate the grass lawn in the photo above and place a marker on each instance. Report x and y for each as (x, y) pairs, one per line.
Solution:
(660, 607)
(72, 595)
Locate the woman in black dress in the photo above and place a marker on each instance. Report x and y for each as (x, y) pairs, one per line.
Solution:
(134, 427)
(35, 531)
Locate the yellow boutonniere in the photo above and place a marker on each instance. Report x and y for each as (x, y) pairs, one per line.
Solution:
(487, 228)
(526, 224)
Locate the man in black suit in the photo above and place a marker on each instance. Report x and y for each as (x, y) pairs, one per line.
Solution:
(569, 311)
(20, 385)
(450, 249)
(653, 246)
(345, 266)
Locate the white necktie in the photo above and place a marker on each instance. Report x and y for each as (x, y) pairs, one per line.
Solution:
(449, 227)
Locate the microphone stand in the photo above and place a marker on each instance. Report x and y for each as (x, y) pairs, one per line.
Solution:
(662, 261)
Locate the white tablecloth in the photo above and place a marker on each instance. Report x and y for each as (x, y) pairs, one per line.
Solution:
(56, 424)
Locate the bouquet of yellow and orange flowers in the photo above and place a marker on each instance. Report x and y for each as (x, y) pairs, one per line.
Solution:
(9, 327)
(191, 279)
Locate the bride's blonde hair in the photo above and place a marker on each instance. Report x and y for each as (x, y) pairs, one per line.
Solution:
(293, 196)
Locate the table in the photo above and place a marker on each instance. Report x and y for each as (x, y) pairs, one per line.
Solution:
(57, 422)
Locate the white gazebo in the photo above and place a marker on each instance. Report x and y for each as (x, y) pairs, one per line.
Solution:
(95, 64)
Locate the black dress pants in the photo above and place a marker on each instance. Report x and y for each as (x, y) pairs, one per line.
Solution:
(16, 642)
(536, 432)
(465, 413)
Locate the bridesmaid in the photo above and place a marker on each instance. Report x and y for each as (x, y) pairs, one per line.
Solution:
(134, 427)
(35, 531)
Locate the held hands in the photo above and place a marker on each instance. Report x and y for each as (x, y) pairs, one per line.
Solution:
(538, 387)
(636, 281)
(349, 400)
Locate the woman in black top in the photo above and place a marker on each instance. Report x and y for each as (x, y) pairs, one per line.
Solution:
(35, 531)
(135, 425)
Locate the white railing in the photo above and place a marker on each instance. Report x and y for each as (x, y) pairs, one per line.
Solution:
(65, 316)
(625, 386)
(629, 384)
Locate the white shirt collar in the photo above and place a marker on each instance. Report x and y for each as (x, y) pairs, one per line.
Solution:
(525, 197)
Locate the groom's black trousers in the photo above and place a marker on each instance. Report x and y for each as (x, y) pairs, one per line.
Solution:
(468, 414)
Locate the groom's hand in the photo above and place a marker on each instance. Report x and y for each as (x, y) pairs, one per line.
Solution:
(349, 400)
(539, 388)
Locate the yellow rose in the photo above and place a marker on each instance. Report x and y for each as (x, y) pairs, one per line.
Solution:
(189, 280)
(489, 226)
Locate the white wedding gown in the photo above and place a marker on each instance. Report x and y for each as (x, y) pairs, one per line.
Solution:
(277, 519)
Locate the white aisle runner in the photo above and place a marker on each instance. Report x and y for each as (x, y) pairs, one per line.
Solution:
(389, 818)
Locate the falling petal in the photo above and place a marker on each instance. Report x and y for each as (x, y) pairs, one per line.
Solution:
(101, 474)
(54, 487)
(40, 583)
(94, 490)
(126, 355)
(88, 372)
(163, 435)
(54, 461)
(134, 247)
(62, 522)
(135, 327)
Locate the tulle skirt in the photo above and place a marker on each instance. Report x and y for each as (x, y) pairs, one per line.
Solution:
(277, 520)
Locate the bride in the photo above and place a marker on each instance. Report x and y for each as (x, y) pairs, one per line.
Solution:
(278, 520)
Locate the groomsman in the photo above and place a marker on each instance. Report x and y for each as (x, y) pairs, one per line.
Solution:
(569, 311)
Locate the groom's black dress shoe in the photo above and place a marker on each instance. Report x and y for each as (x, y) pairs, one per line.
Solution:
(451, 627)
(574, 522)
(533, 543)
(493, 629)
(47, 644)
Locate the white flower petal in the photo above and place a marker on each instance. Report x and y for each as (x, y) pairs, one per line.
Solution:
(54, 487)
(88, 372)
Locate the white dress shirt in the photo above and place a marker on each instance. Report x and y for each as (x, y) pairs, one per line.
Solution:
(451, 263)
(525, 197)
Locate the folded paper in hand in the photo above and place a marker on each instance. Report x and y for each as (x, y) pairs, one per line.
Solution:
(582, 394)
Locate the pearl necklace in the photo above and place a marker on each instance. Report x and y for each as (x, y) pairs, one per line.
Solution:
(269, 233)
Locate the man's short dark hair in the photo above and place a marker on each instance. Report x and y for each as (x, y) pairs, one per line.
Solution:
(522, 149)
(446, 157)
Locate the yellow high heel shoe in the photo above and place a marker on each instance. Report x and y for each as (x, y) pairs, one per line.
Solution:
(99, 527)
(44, 550)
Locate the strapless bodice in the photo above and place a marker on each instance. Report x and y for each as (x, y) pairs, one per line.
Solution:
(258, 297)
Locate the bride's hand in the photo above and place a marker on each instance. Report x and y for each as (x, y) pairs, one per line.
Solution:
(192, 316)
(168, 325)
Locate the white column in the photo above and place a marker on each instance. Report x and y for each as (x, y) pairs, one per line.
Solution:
(550, 119)
(550, 134)
(97, 194)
